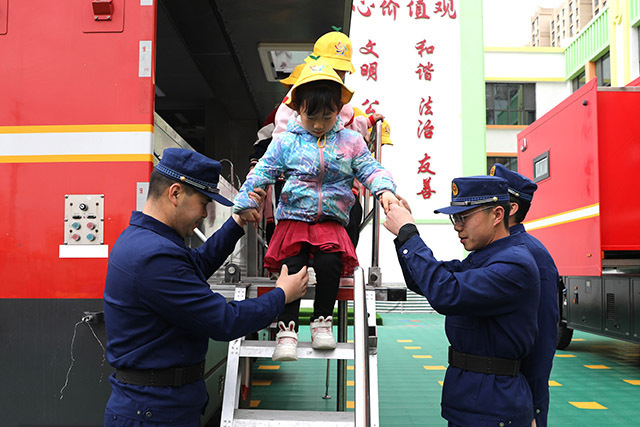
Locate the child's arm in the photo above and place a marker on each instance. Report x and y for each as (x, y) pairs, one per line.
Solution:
(371, 173)
(267, 170)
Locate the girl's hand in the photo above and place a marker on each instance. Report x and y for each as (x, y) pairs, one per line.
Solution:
(377, 116)
(387, 198)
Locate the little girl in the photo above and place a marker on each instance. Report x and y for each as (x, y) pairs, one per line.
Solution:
(319, 159)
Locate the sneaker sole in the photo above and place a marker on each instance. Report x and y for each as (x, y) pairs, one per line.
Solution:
(284, 358)
(323, 345)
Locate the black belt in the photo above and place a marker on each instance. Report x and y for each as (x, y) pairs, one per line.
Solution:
(484, 365)
(172, 377)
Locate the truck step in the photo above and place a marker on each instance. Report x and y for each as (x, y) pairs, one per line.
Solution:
(265, 417)
(254, 348)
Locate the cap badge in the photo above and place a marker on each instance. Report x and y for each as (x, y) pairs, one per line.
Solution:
(493, 171)
(316, 68)
(454, 189)
(183, 178)
(341, 49)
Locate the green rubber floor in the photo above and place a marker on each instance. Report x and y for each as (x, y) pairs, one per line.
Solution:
(594, 382)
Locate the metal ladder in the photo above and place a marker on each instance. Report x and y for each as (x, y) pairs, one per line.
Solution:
(363, 351)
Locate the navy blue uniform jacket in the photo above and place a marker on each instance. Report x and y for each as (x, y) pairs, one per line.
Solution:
(536, 367)
(160, 313)
(490, 300)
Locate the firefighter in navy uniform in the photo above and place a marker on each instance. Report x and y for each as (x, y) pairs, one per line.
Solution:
(490, 300)
(159, 310)
(537, 366)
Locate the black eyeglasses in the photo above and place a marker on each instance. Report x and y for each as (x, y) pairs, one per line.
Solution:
(458, 218)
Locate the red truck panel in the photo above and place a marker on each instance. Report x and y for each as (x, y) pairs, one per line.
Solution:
(619, 156)
(569, 132)
(588, 204)
(76, 118)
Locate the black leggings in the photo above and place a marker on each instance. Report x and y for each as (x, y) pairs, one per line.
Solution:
(327, 266)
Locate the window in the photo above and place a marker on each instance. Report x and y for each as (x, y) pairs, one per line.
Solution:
(510, 162)
(570, 31)
(570, 7)
(511, 103)
(571, 19)
(579, 81)
(603, 70)
(541, 167)
(551, 24)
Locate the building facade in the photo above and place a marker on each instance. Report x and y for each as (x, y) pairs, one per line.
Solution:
(524, 83)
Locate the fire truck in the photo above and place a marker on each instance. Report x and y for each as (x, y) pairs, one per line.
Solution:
(584, 155)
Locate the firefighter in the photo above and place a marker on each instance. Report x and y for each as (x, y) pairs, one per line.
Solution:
(159, 310)
(490, 300)
(537, 366)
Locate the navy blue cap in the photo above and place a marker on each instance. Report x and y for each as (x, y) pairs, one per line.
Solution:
(471, 191)
(519, 185)
(194, 169)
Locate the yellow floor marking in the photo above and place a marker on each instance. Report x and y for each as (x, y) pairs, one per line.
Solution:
(350, 383)
(351, 341)
(254, 403)
(435, 368)
(261, 382)
(441, 383)
(349, 368)
(578, 339)
(404, 340)
(350, 404)
(565, 355)
(597, 367)
(412, 347)
(588, 405)
(554, 383)
(269, 367)
(632, 382)
(422, 356)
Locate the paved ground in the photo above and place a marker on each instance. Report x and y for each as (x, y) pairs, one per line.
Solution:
(595, 382)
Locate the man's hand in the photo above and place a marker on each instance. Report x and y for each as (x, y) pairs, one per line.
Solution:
(396, 218)
(246, 216)
(404, 203)
(293, 285)
(258, 195)
(251, 215)
(387, 198)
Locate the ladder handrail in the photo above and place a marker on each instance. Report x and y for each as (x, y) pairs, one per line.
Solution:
(362, 411)
(374, 214)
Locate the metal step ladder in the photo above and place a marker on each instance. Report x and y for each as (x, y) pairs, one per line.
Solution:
(363, 351)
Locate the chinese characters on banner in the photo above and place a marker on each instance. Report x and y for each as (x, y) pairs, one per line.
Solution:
(406, 55)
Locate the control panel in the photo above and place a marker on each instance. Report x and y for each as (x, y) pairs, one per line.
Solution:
(83, 219)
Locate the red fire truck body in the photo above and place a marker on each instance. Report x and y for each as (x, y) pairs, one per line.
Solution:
(584, 155)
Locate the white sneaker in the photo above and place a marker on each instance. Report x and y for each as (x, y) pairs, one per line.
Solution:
(322, 334)
(286, 343)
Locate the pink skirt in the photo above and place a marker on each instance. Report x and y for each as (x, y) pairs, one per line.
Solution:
(329, 236)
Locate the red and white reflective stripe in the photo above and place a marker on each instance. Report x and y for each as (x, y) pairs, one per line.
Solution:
(82, 143)
(564, 217)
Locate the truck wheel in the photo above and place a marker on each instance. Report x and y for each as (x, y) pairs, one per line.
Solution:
(564, 336)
